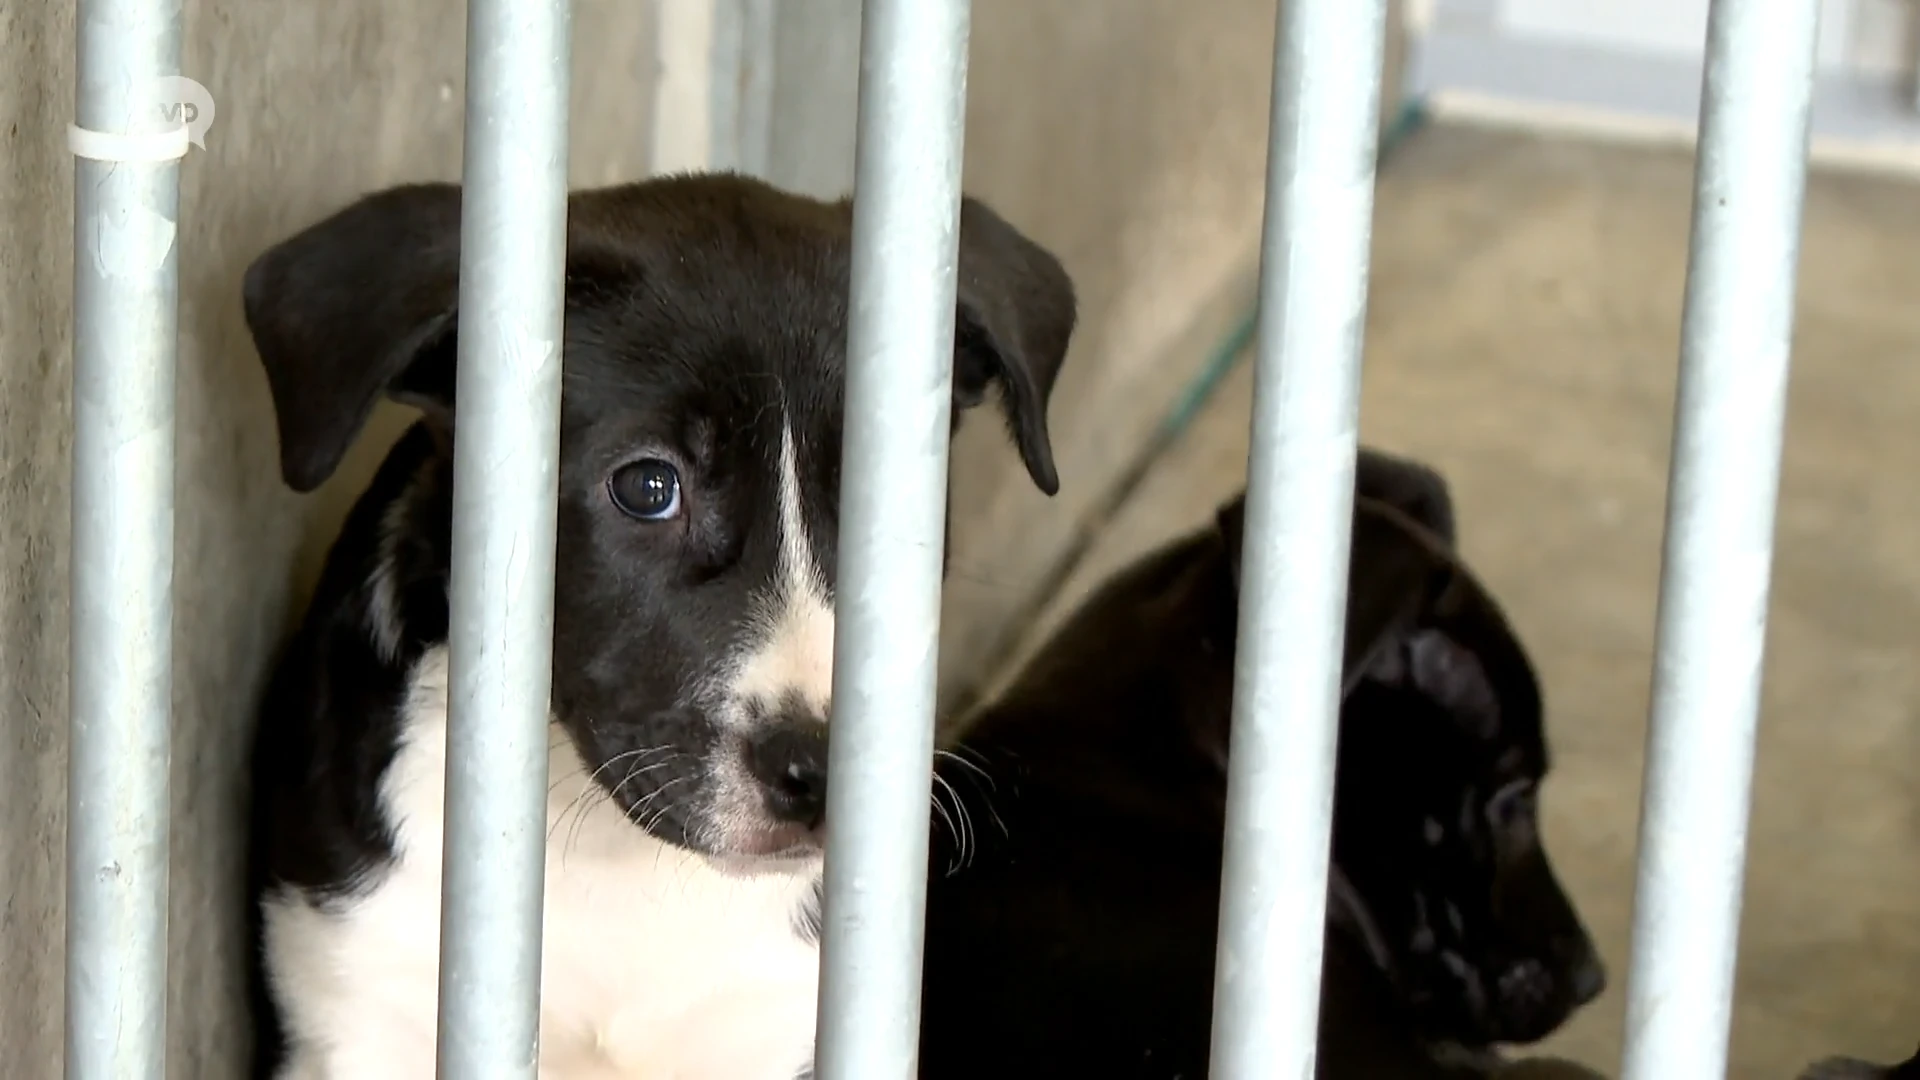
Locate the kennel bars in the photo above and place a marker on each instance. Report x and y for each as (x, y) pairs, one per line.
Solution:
(1299, 515)
(513, 236)
(893, 505)
(1714, 585)
(126, 198)
(1729, 425)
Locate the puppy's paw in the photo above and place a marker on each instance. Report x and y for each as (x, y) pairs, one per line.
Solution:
(1844, 1068)
(1546, 1068)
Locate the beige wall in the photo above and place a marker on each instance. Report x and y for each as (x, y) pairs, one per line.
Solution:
(1129, 135)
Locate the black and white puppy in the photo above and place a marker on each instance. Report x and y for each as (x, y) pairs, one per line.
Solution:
(1074, 903)
(699, 478)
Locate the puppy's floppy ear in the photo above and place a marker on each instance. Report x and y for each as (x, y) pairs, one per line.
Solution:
(1231, 521)
(1412, 488)
(359, 304)
(1403, 484)
(1393, 574)
(1016, 316)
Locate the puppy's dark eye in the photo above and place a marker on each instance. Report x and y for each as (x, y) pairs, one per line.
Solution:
(646, 490)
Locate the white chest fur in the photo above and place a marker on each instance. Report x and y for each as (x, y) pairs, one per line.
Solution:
(657, 963)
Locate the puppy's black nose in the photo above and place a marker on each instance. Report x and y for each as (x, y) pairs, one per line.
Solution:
(790, 764)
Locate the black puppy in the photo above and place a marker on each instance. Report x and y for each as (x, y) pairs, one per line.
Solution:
(1074, 904)
(706, 318)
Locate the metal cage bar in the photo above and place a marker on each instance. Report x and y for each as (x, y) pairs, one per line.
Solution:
(1714, 589)
(906, 235)
(1306, 399)
(513, 228)
(125, 346)
(1729, 420)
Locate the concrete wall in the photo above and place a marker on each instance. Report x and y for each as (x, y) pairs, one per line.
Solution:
(1128, 135)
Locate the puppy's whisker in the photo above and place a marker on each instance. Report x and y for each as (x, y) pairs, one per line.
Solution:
(660, 814)
(617, 759)
(966, 838)
(585, 792)
(588, 786)
(955, 757)
(973, 832)
(960, 822)
(997, 819)
(978, 761)
(564, 777)
(594, 798)
(986, 794)
(554, 742)
(953, 830)
(580, 803)
(635, 775)
(577, 807)
(640, 808)
(612, 797)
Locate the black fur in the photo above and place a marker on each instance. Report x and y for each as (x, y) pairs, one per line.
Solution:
(1074, 904)
(700, 311)
(1845, 1068)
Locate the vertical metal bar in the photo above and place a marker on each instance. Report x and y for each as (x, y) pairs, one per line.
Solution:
(906, 234)
(1728, 431)
(512, 263)
(125, 319)
(1313, 300)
